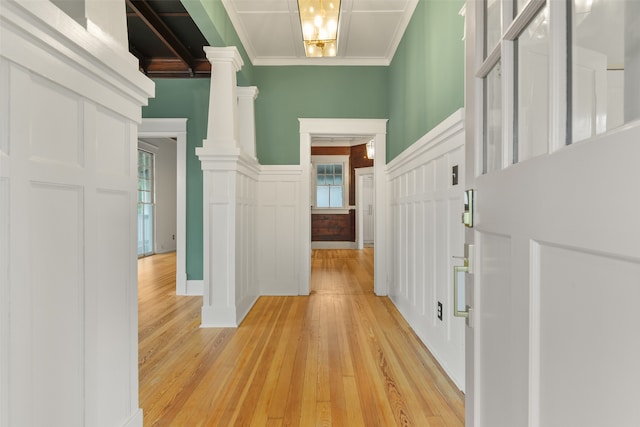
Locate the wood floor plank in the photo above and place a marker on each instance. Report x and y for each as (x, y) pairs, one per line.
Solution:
(338, 357)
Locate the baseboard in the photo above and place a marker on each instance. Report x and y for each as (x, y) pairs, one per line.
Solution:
(218, 317)
(245, 307)
(135, 420)
(333, 245)
(194, 288)
(405, 312)
(227, 317)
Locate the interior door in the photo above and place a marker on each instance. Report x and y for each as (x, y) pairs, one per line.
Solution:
(554, 256)
(369, 212)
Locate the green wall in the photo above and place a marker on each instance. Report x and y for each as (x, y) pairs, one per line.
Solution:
(289, 93)
(423, 86)
(426, 76)
(187, 98)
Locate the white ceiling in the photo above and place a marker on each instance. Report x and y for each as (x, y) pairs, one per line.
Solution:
(369, 31)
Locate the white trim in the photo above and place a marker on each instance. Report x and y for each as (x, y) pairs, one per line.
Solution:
(333, 245)
(194, 288)
(135, 420)
(175, 128)
(330, 211)
(226, 317)
(319, 127)
(360, 174)
(436, 136)
(88, 65)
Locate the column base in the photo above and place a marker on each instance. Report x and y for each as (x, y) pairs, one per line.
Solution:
(226, 317)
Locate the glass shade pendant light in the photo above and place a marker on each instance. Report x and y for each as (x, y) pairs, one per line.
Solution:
(319, 21)
(370, 150)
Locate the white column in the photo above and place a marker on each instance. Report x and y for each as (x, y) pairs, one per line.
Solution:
(246, 115)
(226, 174)
(222, 128)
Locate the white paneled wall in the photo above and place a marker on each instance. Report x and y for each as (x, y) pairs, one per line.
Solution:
(426, 234)
(247, 289)
(68, 296)
(279, 235)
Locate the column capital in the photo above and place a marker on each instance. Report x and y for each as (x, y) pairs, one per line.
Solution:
(248, 91)
(224, 54)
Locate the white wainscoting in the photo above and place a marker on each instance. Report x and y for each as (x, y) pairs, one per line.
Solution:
(426, 233)
(247, 287)
(230, 181)
(279, 238)
(68, 327)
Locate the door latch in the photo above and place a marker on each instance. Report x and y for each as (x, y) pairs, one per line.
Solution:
(467, 214)
(467, 267)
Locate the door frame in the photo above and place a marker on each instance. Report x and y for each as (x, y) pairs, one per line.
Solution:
(377, 128)
(360, 174)
(175, 128)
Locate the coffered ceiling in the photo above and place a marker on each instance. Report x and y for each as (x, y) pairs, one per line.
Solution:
(168, 43)
(369, 31)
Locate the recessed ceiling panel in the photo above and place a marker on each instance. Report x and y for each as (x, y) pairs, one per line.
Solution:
(381, 5)
(271, 34)
(371, 34)
(370, 30)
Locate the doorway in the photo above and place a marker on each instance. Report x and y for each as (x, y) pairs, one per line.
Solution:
(175, 128)
(312, 128)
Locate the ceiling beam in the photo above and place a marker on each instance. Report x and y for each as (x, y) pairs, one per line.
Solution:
(155, 23)
(169, 67)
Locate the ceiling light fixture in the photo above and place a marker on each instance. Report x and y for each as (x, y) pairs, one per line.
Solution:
(319, 21)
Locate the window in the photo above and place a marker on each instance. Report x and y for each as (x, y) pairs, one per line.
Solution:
(146, 200)
(605, 66)
(554, 73)
(331, 182)
(514, 77)
(329, 185)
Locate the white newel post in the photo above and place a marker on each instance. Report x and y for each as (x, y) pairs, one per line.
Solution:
(246, 114)
(229, 178)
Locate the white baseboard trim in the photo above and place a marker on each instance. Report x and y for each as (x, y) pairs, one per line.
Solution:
(226, 317)
(334, 245)
(406, 314)
(193, 288)
(245, 307)
(218, 317)
(135, 420)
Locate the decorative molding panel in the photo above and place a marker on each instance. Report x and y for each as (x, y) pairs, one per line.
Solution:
(230, 179)
(427, 233)
(69, 109)
(279, 210)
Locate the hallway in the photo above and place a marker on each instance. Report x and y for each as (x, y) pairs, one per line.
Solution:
(341, 356)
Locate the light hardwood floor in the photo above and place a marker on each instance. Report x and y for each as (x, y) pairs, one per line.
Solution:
(339, 357)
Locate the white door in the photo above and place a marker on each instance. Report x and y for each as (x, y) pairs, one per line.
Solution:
(365, 207)
(554, 281)
(368, 212)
